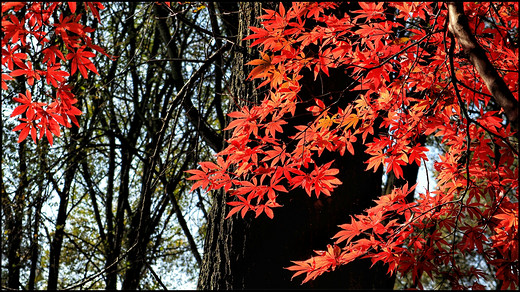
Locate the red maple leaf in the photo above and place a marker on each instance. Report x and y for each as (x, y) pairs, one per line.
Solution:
(54, 74)
(81, 62)
(11, 57)
(26, 126)
(29, 73)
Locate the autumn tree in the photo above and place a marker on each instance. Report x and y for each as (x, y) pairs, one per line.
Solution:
(326, 99)
(450, 74)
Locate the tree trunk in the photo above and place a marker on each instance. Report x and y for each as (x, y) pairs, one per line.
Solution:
(61, 220)
(14, 223)
(35, 232)
(251, 253)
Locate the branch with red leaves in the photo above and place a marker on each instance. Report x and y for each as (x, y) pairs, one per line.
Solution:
(64, 43)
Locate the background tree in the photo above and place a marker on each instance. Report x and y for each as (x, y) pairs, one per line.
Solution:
(109, 197)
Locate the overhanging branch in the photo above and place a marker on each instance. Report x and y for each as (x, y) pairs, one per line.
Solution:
(459, 27)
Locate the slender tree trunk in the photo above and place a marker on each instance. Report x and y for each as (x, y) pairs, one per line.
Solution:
(110, 257)
(14, 223)
(459, 27)
(61, 220)
(139, 233)
(35, 231)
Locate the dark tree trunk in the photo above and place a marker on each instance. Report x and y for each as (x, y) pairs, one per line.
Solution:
(14, 223)
(252, 253)
(14, 210)
(61, 219)
(35, 230)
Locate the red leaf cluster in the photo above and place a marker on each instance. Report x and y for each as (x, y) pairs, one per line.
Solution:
(63, 44)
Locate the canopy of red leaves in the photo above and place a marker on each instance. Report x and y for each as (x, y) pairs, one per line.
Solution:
(402, 65)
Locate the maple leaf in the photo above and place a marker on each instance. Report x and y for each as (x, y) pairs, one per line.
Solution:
(26, 126)
(50, 53)
(416, 153)
(243, 206)
(350, 230)
(330, 258)
(394, 163)
(81, 62)
(266, 209)
(277, 154)
(508, 219)
(29, 73)
(349, 139)
(27, 105)
(11, 57)
(14, 30)
(201, 177)
(49, 124)
(259, 34)
(370, 10)
(262, 68)
(377, 159)
(244, 121)
(301, 267)
(64, 107)
(274, 126)
(54, 74)
(69, 23)
(322, 180)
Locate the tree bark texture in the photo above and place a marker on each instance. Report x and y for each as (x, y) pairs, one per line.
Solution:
(224, 247)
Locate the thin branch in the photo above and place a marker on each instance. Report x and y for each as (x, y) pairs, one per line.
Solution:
(155, 275)
(214, 140)
(94, 276)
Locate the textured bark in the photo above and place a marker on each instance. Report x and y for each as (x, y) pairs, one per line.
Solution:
(224, 248)
(251, 253)
(459, 27)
